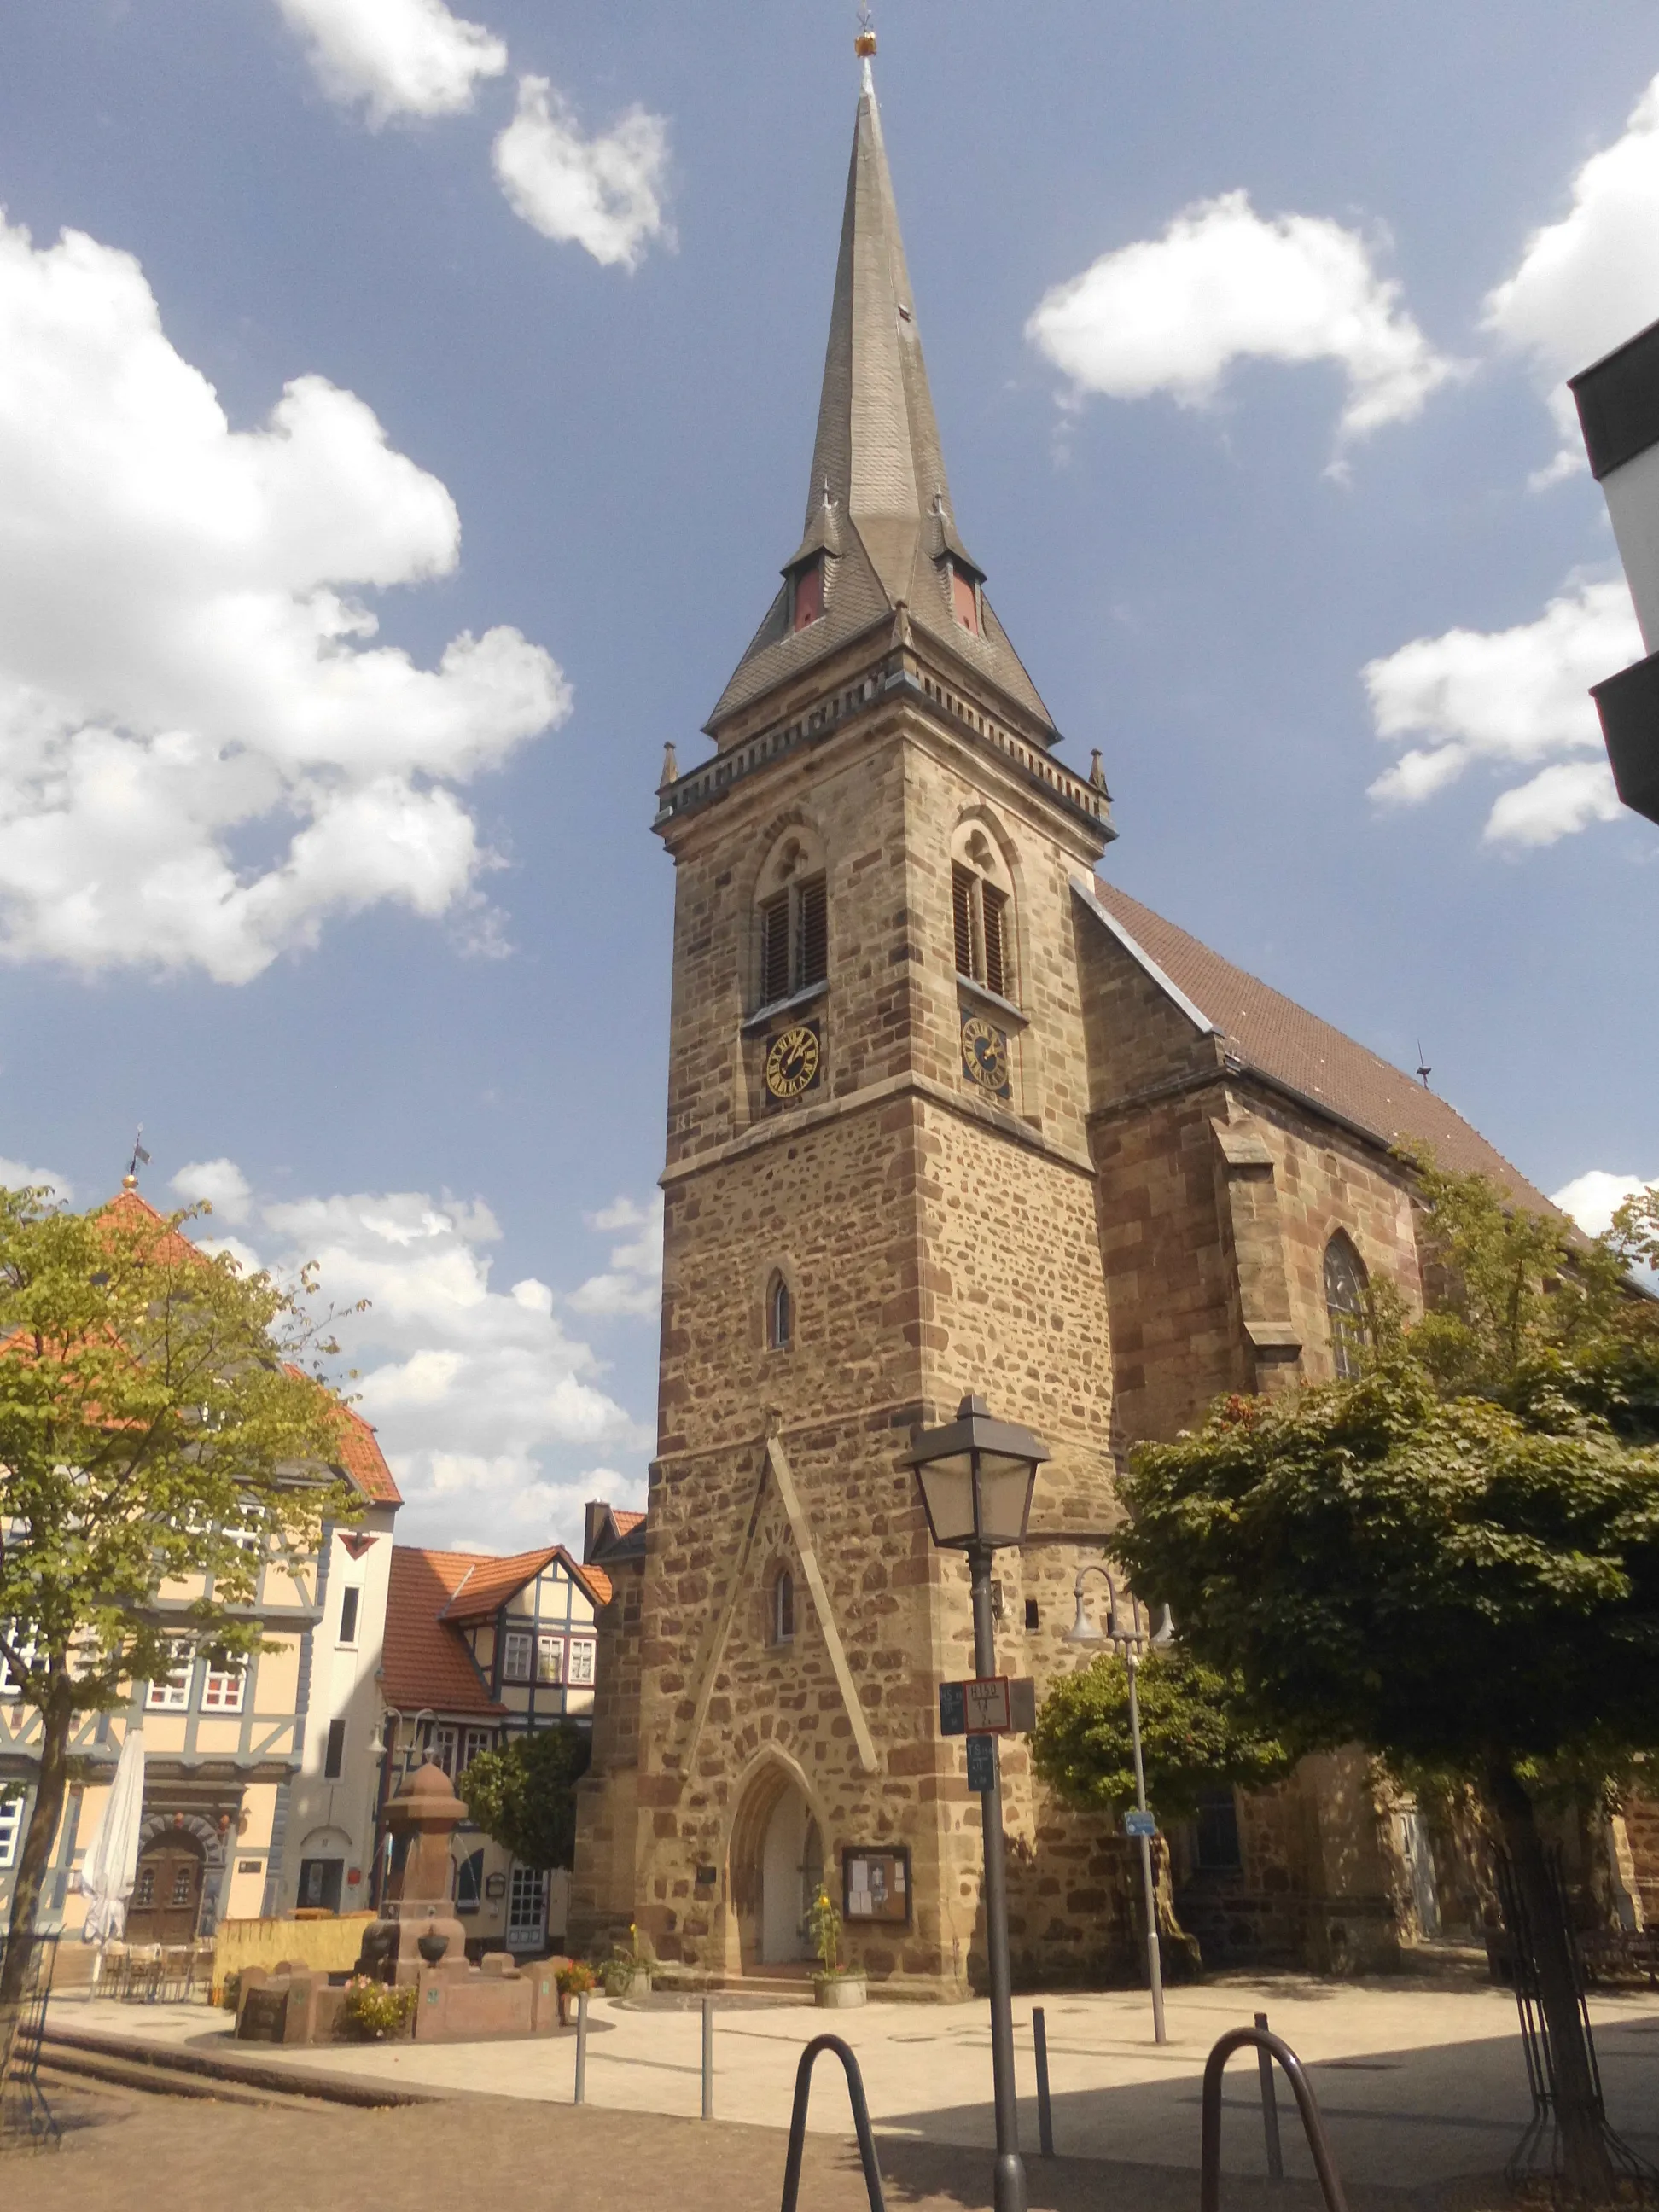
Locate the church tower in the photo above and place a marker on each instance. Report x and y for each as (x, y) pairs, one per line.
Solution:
(880, 1196)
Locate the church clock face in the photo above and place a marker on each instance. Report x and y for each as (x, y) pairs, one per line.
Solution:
(985, 1054)
(793, 1062)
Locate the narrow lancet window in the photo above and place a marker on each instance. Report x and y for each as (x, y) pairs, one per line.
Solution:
(1345, 1304)
(780, 1316)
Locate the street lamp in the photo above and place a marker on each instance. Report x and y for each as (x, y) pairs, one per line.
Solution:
(1131, 1641)
(976, 1476)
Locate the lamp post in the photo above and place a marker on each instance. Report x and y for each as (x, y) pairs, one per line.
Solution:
(976, 1477)
(1131, 1641)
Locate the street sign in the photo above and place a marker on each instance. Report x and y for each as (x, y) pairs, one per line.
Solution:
(981, 1762)
(990, 1705)
(1140, 1824)
(987, 1700)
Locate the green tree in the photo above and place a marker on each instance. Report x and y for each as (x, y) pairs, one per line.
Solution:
(1453, 1560)
(158, 1444)
(1197, 1735)
(523, 1795)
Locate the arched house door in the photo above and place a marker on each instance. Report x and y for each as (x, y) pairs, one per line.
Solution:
(175, 1891)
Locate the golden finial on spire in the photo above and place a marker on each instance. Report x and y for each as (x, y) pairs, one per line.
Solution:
(864, 45)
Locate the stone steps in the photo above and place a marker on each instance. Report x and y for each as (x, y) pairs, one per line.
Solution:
(165, 2069)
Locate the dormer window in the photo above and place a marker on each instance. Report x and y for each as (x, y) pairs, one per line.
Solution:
(964, 598)
(806, 594)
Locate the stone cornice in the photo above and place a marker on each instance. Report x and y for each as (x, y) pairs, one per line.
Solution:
(795, 1123)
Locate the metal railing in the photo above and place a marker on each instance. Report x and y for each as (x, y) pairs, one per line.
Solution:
(808, 2058)
(1270, 2046)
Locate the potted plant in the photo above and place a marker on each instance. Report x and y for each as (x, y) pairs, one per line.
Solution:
(834, 1985)
(573, 1980)
(373, 2012)
(627, 1972)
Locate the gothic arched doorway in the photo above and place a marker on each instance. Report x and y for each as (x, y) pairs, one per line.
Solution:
(777, 1868)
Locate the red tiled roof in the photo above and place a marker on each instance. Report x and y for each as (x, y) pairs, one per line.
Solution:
(425, 1662)
(600, 1587)
(364, 1463)
(488, 1582)
(621, 1523)
(1284, 1042)
(130, 1211)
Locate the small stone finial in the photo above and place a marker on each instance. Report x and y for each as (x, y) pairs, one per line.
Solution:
(671, 767)
(1097, 773)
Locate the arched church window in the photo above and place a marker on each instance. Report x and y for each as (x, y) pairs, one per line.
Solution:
(783, 1608)
(780, 1316)
(793, 910)
(980, 913)
(1345, 1303)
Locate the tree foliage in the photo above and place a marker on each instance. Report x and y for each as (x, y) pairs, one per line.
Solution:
(158, 1444)
(1197, 1735)
(1453, 1559)
(523, 1795)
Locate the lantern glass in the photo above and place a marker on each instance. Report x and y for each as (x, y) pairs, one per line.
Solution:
(947, 1491)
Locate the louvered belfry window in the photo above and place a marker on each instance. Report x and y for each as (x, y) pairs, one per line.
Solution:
(979, 915)
(794, 939)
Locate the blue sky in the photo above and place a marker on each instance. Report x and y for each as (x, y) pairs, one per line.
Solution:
(405, 447)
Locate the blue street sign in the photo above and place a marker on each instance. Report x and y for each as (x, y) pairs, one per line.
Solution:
(1140, 1824)
(981, 1762)
(953, 1709)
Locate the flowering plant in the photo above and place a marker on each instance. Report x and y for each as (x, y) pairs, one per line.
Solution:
(371, 2011)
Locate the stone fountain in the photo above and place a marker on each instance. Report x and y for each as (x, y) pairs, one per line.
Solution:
(416, 1943)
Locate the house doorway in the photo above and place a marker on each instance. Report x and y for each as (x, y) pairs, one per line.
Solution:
(166, 1894)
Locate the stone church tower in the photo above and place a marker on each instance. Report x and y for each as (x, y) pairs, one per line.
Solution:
(878, 1192)
(948, 1113)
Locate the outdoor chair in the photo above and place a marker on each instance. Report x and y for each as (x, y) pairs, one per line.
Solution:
(143, 1973)
(174, 1976)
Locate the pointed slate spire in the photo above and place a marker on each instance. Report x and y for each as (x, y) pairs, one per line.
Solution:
(878, 499)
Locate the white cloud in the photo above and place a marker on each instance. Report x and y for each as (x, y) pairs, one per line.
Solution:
(397, 56)
(203, 753)
(15, 1175)
(1504, 698)
(1592, 1199)
(1224, 284)
(633, 1282)
(1586, 283)
(485, 1408)
(604, 193)
(220, 1183)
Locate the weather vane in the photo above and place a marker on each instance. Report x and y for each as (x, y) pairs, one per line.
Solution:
(864, 44)
(140, 1158)
(1424, 1071)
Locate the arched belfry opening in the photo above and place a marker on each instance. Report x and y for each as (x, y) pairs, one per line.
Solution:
(776, 1862)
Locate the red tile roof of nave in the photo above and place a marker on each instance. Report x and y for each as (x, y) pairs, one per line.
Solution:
(132, 1212)
(425, 1662)
(1287, 1044)
(623, 1522)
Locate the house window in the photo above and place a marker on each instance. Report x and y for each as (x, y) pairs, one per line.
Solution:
(780, 1316)
(476, 1742)
(794, 939)
(515, 1656)
(582, 1651)
(807, 596)
(222, 1689)
(334, 1754)
(469, 1882)
(964, 598)
(11, 1827)
(549, 1658)
(1032, 1616)
(441, 1747)
(349, 1602)
(10, 1683)
(1217, 1833)
(526, 1909)
(170, 1692)
(979, 915)
(783, 1608)
(1345, 1304)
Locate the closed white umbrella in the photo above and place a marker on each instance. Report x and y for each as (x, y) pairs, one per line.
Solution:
(110, 1865)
